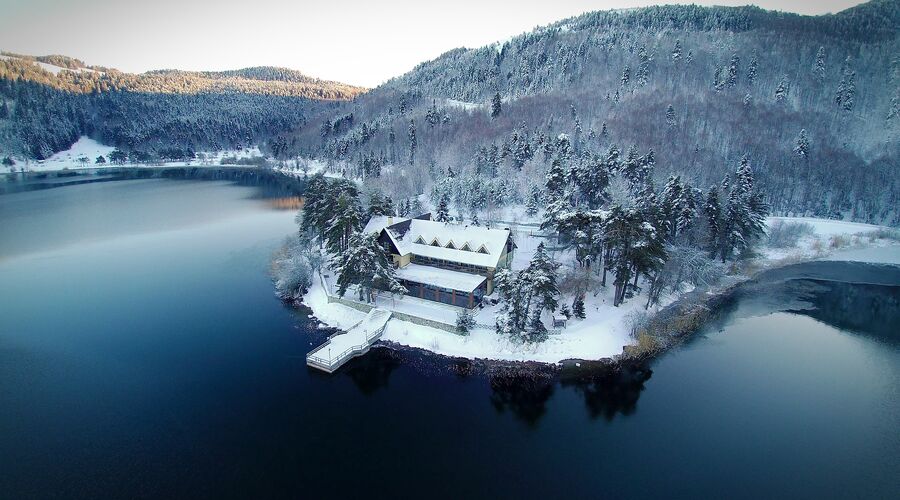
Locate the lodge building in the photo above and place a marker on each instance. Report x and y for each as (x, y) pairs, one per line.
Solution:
(444, 262)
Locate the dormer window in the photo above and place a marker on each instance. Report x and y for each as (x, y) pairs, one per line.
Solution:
(466, 247)
(483, 249)
(435, 243)
(450, 245)
(420, 240)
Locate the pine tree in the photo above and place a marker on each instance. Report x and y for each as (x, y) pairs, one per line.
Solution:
(392, 145)
(380, 205)
(432, 117)
(496, 106)
(801, 146)
(365, 264)
(671, 200)
(578, 307)
(818, 69)
(676, 52)
(718, 80)
(403, 208)
(531, 203)
(782, 90)
(415, 207)
(713, 212)
(670, 116)
(556, 181)
(643, 72)
(733, 71)
(465, 321)
(347, 219)
(314, 215)
(752, 68)
(541, 276)
(443, 210)
(413, 143)
(745, 212)
(846, 88)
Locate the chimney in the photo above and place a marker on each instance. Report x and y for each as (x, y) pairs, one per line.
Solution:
(390, 220)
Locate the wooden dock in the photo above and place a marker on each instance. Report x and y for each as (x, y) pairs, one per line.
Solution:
(342, 347)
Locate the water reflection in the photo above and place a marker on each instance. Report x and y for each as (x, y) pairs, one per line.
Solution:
(372, 372)
(272, 184)
(872, 310)
(610, 391)
(522, 392)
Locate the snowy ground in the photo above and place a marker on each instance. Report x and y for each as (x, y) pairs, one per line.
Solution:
(306, 166)
(86, 147)
(835, 240)
(605, 331)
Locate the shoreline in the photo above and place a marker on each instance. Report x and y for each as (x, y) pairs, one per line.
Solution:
(670, 326)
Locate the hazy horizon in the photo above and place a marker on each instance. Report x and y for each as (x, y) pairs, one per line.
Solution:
(353, 42)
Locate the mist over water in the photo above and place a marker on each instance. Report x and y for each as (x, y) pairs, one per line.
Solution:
(143, 353)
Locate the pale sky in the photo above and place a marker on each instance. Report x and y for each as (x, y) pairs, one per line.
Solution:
(353, 41)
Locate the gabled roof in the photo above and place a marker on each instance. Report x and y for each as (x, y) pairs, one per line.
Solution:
(379, 222)
(485, 245)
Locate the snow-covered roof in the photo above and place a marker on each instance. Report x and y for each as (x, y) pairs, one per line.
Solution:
(475, 245)
(379, 222)
(444, 278)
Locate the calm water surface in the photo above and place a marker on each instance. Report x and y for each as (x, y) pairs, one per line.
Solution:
(143, 354)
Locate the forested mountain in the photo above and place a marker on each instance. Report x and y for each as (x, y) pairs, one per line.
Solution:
(49, 101)
(813, 103)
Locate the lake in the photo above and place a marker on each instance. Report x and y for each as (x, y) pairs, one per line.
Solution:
(144, 354)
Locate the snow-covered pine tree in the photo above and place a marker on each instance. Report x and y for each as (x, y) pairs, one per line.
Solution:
(801, 146)
(578, 307)
(753, 68)
(346, 220)
(415, 207)
(532, 201)
(676, 52)
(403, 208)
(671, 200)
(782, 90)
(365, 264)
(556, 182)
(643, 72)
(818, 68)
(443, 210)
(541, 276)
(713, 211)
(392, 145)
(379, 205)
(496, 105)
(413, 142)
(745, 212)
(465, 321)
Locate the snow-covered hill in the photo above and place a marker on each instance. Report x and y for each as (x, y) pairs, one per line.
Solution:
(85, 152)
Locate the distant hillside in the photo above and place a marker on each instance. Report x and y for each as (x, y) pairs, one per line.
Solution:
(72, 75)
(50, 101)
(813, 101)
